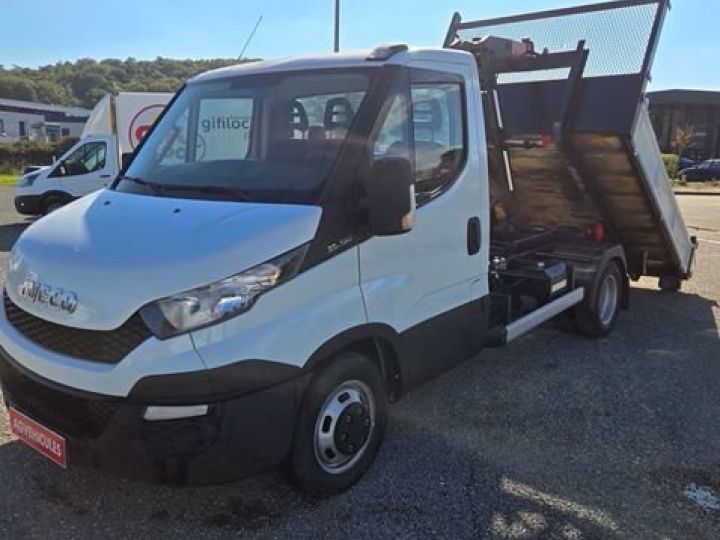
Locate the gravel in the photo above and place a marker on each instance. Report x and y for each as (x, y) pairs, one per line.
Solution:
(555, 436)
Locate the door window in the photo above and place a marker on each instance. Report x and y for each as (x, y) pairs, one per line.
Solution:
(438, 136)
(90, 157)
(435, 144)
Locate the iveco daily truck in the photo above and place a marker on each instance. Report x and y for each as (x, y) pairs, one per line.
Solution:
(298, 243)
(115, 128)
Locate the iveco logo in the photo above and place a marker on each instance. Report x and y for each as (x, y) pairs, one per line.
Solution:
(42, 293)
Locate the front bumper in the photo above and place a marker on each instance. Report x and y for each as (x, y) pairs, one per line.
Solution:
(28, 205)
(240, 436)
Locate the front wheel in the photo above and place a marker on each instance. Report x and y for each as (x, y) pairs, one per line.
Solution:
(340, 426)
(51, 204)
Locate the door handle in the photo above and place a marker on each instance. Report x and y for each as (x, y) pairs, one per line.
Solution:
(105, 175)
(474, 235)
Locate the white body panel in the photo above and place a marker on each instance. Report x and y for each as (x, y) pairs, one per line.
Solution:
(156, 253)
(289, 323)
(410, 278)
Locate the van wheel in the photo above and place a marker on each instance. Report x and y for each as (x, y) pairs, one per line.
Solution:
(669, 284)
(340, 426)
(51, 204)
(597, 318)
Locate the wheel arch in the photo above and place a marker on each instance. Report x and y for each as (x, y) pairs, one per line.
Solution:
(379, 342)
(55, 193)
(589, 274)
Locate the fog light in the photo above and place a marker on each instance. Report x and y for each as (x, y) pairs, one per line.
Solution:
(156, 413)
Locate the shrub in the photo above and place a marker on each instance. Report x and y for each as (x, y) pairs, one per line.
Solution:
(671, 165)
(14, 157)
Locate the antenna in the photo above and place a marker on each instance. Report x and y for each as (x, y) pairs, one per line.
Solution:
(249, 39)
(337, 26)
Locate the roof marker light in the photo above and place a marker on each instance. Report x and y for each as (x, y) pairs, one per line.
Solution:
(384, 52)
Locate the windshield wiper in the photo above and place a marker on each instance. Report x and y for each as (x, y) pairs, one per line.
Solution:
(154, 187)
(235, 193)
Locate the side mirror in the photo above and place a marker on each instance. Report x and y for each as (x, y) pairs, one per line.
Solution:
(391, 197)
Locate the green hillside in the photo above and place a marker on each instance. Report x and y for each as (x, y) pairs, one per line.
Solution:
(82, 83)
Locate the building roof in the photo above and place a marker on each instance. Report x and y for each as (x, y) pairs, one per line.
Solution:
(684, 97)
(31, 106)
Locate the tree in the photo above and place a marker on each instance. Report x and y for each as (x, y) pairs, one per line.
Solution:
(16, 87)
(683, 137)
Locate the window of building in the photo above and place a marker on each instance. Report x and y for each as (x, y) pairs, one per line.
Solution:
(2, 127)
(65, 132)
(52, 133)
(22, 129)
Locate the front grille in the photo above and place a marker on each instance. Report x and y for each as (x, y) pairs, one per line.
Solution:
(66, 413)
(108, 347)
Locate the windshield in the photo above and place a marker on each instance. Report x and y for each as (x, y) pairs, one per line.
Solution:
(261, 138)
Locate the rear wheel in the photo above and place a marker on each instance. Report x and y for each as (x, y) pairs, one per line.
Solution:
(597, 315)
(340, 426)
(669, 283)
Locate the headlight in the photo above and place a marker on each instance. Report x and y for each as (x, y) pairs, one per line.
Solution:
(221, 300)
(27, 180)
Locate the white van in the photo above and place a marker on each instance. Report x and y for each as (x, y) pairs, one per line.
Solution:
(115, 128)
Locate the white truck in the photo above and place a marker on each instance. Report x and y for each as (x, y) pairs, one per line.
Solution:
(298, 243)
(114, 129)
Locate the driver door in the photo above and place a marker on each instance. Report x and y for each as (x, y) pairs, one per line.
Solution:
(87, 168)
(430, 283)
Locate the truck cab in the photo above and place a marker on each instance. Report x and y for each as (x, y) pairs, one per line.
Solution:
(251, 261)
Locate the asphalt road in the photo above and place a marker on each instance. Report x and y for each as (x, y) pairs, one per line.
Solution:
(555, 436)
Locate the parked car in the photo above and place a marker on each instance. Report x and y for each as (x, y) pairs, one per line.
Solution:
(705, 171)
(685, 163)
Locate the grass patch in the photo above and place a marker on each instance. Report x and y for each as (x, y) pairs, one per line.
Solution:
(8, 179)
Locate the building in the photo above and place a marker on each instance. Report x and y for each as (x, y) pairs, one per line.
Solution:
(670, 109)
(36, 121)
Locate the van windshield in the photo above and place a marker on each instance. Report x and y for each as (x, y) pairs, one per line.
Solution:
(260, 138)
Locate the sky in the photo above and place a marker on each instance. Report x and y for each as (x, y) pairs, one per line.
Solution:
(39, 32)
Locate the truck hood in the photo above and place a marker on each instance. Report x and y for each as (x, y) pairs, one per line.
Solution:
(115, 252)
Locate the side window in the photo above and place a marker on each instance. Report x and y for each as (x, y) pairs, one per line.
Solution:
(392, 139)
(438, 136)
(90, 157)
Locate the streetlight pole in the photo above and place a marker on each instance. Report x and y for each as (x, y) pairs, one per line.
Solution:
(337, 26)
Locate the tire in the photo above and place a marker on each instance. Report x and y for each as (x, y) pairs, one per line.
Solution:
(347, 393)
(51, 204)
(597, 315)
(669, 284)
